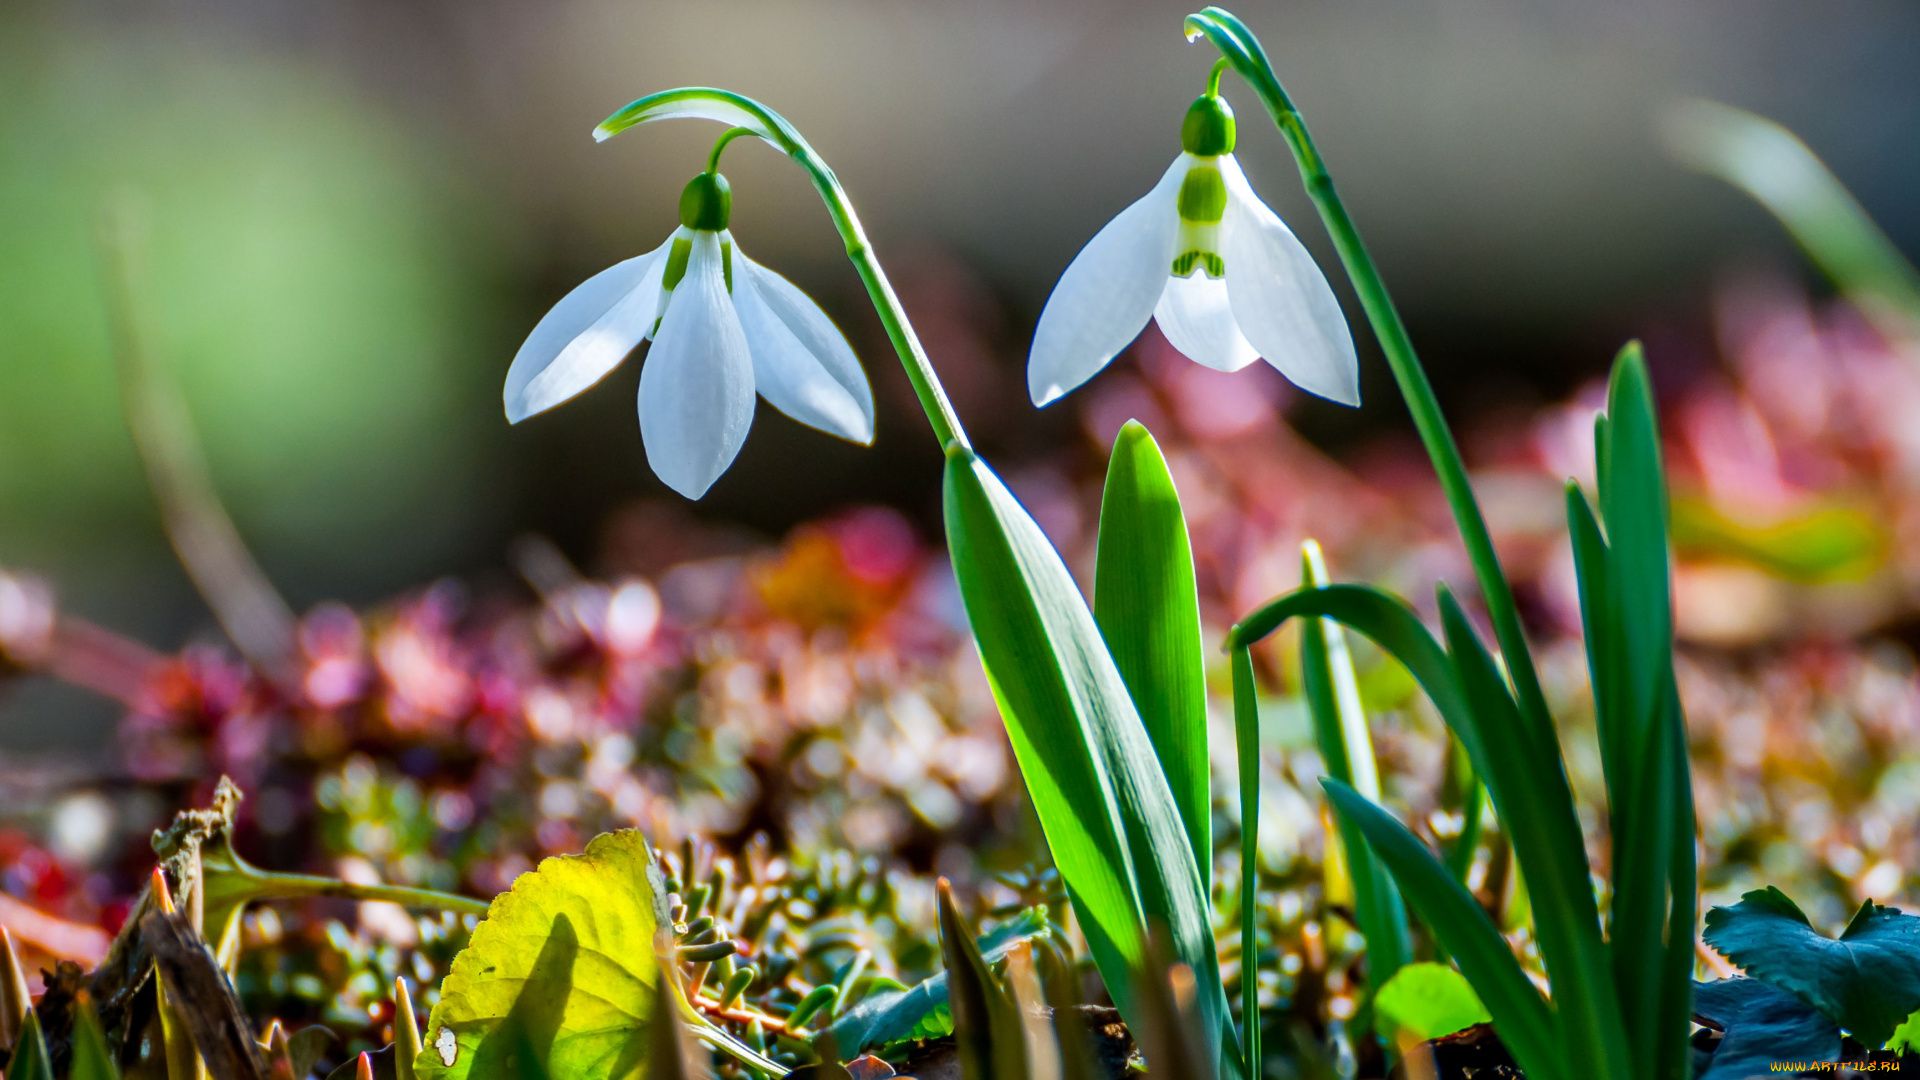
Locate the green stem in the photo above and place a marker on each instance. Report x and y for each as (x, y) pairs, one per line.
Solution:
(1246, 737)
(1239, 47)
(746, 113)
(720, 144)
(277, 886)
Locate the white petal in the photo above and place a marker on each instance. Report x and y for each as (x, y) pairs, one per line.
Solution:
(1281, 299)
(1195, 316)
(696, 390)
(1107, 295)
(585, 335)
(802, 364)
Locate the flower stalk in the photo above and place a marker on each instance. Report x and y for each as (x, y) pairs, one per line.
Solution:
(751, 117)
(1240, 49)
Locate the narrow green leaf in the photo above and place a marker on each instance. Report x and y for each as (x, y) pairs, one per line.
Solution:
(987, 1028)
(406, 1032)
(1425, 1001)
(1246, 740)
(15, 1001)
(1109, 817)
(1519, 1014)
(1473, 808)
(1521, 766)
(1340, 729)
(670, 1050)
(1772, 165)
(1524, 773)
(1172, 1037)
(888, 1016)
(1627, 607)
(1148, 608)
(91, 1059)
(30, 1061)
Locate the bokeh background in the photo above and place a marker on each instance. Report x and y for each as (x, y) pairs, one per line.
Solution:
(484, 644)
(357, 210)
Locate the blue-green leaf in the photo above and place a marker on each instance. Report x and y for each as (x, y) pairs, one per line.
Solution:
(1760, 1027)
(1148, 608)
(892, 1015)
(1110, 819)
(1867, 981)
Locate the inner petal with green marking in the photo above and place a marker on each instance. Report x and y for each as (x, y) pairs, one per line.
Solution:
(1202, 204)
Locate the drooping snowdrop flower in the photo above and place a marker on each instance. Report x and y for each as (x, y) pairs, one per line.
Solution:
(1223, 275)
(722, 327)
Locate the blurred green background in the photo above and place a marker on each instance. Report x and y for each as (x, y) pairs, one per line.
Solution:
(359, 208)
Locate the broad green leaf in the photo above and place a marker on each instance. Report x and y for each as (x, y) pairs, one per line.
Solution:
(1867, 981)
(30, 1061)
(1148, 608)
(1109, 817)
(1519, 1014)
(1425, 1001)
(1760, 1026)
(558, 980)
(91, 1059)
(889, 1016)
(1340, 729)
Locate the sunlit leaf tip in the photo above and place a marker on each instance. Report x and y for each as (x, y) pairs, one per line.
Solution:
(702, 103)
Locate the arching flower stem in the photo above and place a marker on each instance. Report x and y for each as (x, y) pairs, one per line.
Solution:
(720, 144)
(751, 117)
(1240, 49)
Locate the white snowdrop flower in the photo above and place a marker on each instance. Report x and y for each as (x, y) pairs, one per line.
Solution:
(1223, 275)
(722, 326)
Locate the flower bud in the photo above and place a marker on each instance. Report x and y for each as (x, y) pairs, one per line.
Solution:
(1206, 132)
(706, 203)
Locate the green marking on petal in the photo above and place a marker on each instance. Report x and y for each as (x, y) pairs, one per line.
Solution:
(677, 262)
(1203, 196)
(1213, 264)
(726, 265)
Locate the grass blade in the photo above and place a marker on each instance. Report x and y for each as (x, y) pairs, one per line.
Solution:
(1148, 608)
(1109, 817)
(1519, 1014)
(1340, 728)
